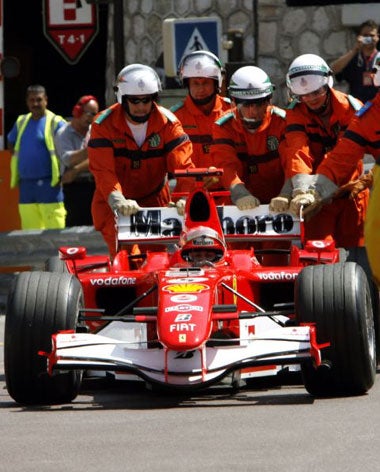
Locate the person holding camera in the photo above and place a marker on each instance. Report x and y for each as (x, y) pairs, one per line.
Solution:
(356, 65)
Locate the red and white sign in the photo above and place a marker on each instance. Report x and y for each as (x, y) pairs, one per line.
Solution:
(70, 25)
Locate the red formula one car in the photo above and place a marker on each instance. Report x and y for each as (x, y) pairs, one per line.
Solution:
(216, 293)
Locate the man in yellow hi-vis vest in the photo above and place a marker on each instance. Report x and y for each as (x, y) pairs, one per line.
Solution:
(35, 166)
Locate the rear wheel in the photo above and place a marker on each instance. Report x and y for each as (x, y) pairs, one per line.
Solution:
(337, 299)
(55, 264)
(39, 304)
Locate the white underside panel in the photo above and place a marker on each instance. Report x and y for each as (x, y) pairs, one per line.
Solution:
(179, 367)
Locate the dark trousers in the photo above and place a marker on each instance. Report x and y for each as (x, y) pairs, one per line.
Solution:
(78, 197)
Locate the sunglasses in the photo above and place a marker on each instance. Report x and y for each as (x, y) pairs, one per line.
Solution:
(136, 101)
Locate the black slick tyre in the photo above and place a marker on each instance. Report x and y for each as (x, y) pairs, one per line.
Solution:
(55, 264)
(337, 299)
(39, 304)
(359, 255)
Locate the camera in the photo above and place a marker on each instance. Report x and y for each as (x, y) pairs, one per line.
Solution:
(367, 40)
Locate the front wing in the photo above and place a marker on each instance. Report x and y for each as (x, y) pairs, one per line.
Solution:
(82, 351)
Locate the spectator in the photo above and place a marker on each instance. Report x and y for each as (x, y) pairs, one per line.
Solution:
(355, 66)
(248, 138)
(133, 145)
(201, 73)
(315, 120)
(78, 182)
(35, 165)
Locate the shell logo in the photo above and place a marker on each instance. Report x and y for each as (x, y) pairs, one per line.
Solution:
(186, 288)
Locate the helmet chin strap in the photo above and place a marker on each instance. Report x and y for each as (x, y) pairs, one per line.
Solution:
(139, 119)
(203, 101)
(206, 100)
(322, 109)
(135, 118)
(251, 125)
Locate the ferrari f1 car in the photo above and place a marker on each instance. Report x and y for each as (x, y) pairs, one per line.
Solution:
(219, 293)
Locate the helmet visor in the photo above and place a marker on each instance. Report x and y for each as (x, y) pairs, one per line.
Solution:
(306, 83)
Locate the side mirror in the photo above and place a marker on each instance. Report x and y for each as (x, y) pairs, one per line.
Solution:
(72, 253)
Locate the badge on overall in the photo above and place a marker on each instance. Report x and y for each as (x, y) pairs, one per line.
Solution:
(154, 141)
(272, 143)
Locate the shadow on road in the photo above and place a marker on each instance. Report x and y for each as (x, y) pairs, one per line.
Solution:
(111, 395)
(106, 394)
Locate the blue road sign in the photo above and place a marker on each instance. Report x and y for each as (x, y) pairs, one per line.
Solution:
(185, 35)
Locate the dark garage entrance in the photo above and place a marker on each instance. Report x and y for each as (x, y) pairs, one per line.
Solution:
(42, 63)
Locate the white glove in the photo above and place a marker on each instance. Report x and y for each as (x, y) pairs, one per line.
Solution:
(247, 203)
(281, 202)
(311, 190)
(180, 205)
(242, 198)
(303, 199)
(120, 204)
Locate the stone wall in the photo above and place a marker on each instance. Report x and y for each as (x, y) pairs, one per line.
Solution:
(284, 32)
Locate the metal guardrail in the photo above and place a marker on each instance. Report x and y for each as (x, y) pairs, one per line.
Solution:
(29, 250)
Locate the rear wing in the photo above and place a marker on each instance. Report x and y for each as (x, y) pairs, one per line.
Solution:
(164, 225)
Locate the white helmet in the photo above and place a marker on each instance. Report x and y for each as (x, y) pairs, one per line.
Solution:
(307, 73)
(376, 70)
(137, 79)
(200, 64)
(250, 83)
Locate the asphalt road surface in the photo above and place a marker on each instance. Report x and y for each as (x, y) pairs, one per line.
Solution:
(126, 428)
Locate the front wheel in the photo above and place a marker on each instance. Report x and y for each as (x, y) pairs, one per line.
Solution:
(337, 299)
(39, 304)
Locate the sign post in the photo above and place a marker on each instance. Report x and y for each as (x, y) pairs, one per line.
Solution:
(71, 26)
(182, 36)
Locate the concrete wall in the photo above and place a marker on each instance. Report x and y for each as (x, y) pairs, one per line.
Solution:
(284, 32)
